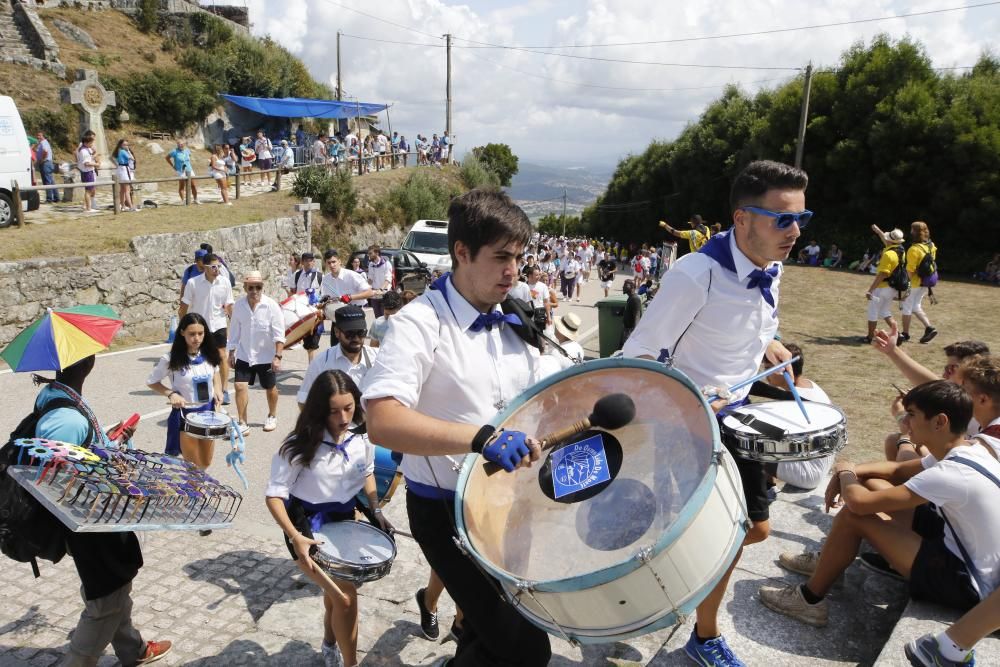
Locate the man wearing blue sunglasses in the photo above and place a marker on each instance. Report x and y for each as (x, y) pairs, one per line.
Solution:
(716, 316)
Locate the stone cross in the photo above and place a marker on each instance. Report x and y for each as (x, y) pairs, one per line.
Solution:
(91, 98)
(306, 208)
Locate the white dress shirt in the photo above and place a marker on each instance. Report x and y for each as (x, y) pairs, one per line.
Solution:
(348, 282)
(704, 316)
(333, 359)
(380, 276)
(253, 334)
(209, 299)
(521, 291)
(330, 478)
(431, 362)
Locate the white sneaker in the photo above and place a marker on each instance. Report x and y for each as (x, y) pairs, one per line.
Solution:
(270, 423)
(244, 427)
(197, 203)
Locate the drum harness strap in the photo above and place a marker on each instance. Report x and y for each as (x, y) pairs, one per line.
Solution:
(462, 545)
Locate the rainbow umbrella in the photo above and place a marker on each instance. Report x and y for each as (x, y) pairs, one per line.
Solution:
(62, 337)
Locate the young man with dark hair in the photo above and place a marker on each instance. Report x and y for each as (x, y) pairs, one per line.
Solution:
(448, 363)
(951, 553)
(715, 316)
(346, 286)
(211, 296)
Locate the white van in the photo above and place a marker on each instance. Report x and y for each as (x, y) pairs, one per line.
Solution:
(15, 162)
(428, 240)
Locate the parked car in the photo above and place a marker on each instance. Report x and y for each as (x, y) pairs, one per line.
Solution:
(428, 240)
(408, 272)
(15, 162)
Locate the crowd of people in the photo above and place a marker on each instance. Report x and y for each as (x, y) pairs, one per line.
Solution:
(377, 150)
(426, 379)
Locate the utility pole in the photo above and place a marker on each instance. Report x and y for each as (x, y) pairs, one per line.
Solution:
(801, 143)
(447, 90)
(339, 89)
(564, 213)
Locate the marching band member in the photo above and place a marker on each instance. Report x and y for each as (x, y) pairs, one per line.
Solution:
(315, 476)
(716, 316)
(192, 365)
(449, 361)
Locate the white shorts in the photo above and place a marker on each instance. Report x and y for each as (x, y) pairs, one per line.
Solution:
(606, 284)
(805, 474)
(185, 173)
(125, 174)
(912, 302)
(880, 306)
(218, 175)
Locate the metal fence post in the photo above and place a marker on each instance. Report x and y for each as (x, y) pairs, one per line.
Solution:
(187, 191)
(238, 182)
(114, 192)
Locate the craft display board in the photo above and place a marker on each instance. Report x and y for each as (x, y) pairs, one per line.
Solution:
(118, 490)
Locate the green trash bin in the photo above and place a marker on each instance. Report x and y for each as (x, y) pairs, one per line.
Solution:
(609, 322)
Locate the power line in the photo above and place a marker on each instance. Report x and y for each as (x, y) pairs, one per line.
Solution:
(393, 41)
(379, 18)
(772, 31)
(618, 88)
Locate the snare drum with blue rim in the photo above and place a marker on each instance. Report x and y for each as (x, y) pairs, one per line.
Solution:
(616, 533)
(387, 476)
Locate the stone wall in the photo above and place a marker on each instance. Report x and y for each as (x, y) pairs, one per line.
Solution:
(142, 285)
(37, 38)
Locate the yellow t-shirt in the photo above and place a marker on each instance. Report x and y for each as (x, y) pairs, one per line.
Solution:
(887, 264)
(914, 256)
(694, 238)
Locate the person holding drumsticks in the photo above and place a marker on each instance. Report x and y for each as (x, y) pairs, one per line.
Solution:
(449, 361)
(192, 366)
(694, 321)
(315, 476)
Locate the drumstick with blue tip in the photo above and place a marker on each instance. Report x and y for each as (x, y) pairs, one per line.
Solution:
(760, 376)
(610, 412)
(795, 394)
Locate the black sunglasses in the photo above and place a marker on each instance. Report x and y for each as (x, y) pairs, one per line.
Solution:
(359, 333)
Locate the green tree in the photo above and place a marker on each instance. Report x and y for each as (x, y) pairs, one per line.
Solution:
(499, 159)
(552, 225)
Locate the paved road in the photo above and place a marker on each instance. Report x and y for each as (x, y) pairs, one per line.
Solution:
(234, 598)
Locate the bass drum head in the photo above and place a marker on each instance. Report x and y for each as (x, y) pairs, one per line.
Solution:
(599, 497)
(355, 543)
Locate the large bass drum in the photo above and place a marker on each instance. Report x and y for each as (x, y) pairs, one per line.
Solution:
(614, 533)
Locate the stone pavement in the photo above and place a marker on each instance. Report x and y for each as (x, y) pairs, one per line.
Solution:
(235, 598)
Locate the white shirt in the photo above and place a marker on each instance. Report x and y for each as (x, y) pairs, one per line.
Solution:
(289, 281)
(571, 267)
(521, 291)
(307, 280)
(539, 294)
(209, 299)
(814, 393)
(573, 348)
(380, 276)
(812, 249)
(333, 359)
(253, 334)
(717, 341)
(330, 478)
(969, 501)
(432, 363)
(988, 440)
(348, 282)
(183, 381)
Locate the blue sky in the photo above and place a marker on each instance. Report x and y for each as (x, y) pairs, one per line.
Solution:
(539, 105)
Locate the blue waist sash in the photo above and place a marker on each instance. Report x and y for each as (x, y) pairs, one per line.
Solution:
(429, 492)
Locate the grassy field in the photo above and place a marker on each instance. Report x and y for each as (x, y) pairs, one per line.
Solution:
(824, 312)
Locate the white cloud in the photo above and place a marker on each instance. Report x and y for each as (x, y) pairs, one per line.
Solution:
(557, 120)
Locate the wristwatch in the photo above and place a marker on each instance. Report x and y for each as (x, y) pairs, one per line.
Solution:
(277, 356)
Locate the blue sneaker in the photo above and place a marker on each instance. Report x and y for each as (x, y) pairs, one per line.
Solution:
(713, 653)
(925, 652)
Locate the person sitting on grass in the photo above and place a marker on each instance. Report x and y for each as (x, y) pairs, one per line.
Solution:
(950, 555)
(810, 254)
(834, 256)
(991, 273)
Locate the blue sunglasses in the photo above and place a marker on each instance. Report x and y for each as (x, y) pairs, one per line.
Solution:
(783, 220)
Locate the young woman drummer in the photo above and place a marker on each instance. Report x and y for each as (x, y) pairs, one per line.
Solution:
(315, 476)
(192, 370)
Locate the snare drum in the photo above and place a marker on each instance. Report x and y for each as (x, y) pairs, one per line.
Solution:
(300, 318)
(825, 434)
(619, 533)
(353, 551)
(207, 425)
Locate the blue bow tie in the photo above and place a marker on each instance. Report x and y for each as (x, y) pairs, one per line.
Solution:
(763, 279)
(341, 447)
(489, 320)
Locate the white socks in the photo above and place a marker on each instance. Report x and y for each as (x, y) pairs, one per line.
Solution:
(951, 650)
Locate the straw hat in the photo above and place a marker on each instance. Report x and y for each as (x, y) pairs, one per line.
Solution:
(253, 278)
(895, 237)
(568, 325)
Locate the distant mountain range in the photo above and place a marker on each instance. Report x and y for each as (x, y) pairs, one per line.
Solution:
(538, 188)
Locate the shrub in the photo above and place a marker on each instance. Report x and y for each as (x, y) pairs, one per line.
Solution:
(475, 174)
(149, 15)
(311, 182)
(418, 198)
(341, 197)
(167, 99)
(58, 125)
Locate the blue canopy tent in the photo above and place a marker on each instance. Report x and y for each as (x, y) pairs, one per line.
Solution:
(299, 107)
